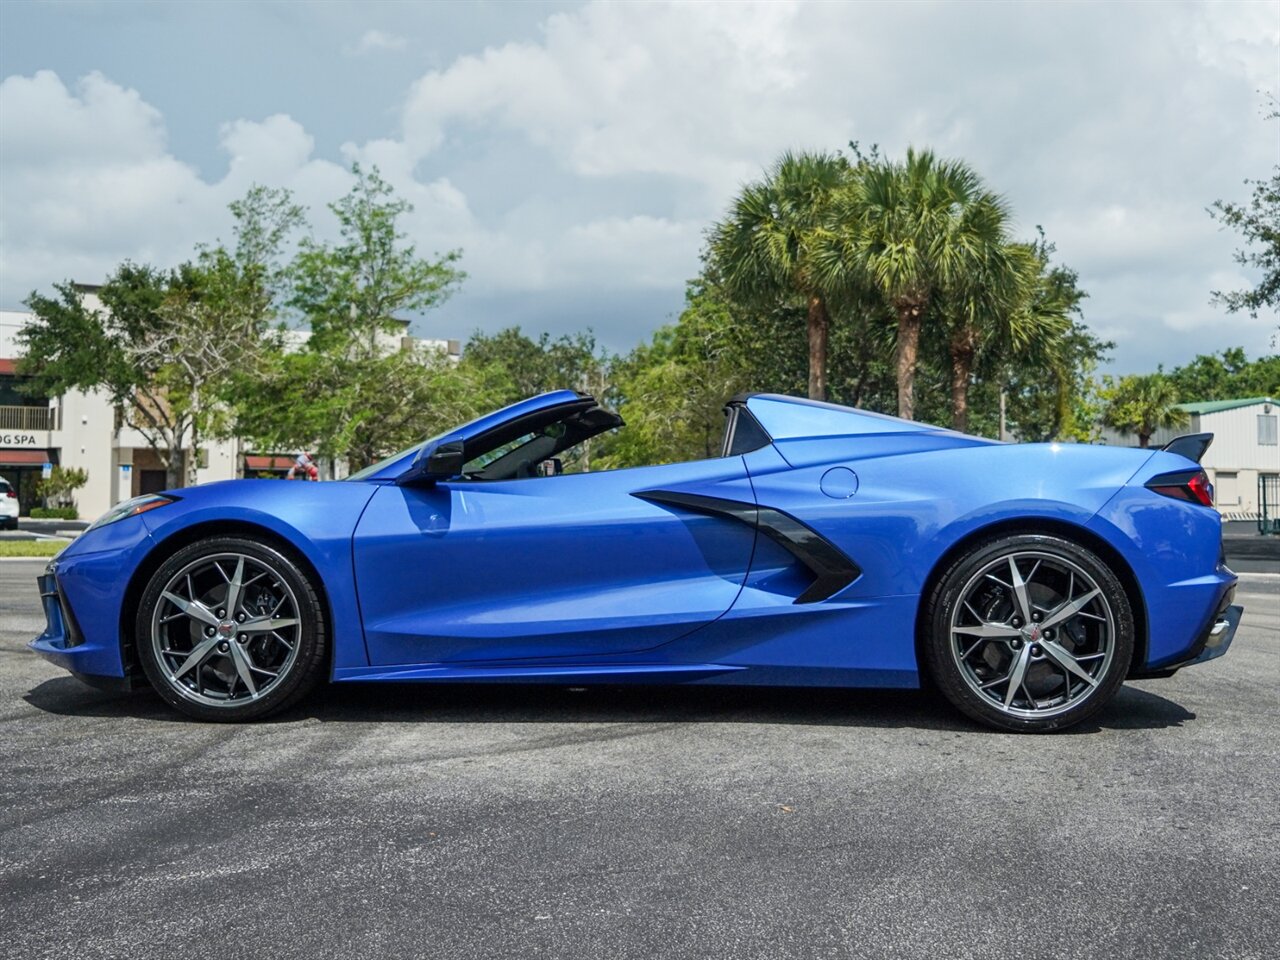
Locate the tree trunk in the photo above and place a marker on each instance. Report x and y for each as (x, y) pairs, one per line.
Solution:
(910, 312)
(819, 322)
(963, 346)
(173, 471)
(1143, 440)
(193, 464)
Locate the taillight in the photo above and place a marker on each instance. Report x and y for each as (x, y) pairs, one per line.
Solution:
(1194, 487)
(11, 494)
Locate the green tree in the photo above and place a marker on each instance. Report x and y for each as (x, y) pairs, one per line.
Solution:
(1228, 375)
(917, 231)
(167, 344)
(1142, 404)
(672, 390)
(1258, 222)
(266, 219)
(572, 361)
(1051, 390)
(356, 389)
(352, 293)
(763, 251)
(1042, 356)
(59, 488)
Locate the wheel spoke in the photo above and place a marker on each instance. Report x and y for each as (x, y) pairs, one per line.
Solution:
(1065, 660)
(244, 667)
(1017, 675)
(192, 608)
(1026, 690)
(1069, 609)
(989, 631)
(196, 656)
(1020, 591)
(234, 586)
(267, 624)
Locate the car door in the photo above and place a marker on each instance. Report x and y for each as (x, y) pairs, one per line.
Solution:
(475, 554)
(576, 565)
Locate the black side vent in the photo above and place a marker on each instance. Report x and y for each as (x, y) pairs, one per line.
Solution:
(832, 570)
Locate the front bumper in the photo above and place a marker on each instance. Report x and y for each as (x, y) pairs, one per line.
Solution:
(62, 637)
(88, 645)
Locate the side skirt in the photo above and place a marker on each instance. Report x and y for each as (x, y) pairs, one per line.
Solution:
(508, 672)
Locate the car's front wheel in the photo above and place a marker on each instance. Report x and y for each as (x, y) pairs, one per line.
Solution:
(231, 628)
(1029, 633)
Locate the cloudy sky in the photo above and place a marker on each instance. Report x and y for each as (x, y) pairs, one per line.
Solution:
(578, 152)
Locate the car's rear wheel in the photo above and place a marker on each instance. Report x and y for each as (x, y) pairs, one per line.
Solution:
(1029, 633)
(230, 629)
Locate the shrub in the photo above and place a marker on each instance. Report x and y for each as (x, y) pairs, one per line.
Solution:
(58, 490)
(54, 513)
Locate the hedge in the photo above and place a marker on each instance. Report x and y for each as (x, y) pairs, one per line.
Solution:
(54, 513)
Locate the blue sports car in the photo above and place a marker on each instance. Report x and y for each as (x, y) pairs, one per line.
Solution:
(826, 546)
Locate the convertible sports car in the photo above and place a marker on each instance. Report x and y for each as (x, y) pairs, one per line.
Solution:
(825, 547)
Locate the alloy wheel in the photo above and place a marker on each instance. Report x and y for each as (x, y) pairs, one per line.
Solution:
(226, 630)
(1033, 634)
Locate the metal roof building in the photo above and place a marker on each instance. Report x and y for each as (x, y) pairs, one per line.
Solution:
(1245, 453)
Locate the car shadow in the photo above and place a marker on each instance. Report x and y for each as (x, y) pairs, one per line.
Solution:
(1132, 709)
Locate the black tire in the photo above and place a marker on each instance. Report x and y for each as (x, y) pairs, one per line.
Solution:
(301, 646)
(1101, 634)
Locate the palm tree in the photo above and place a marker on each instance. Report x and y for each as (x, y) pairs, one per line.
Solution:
(917, 231)
(1143, 405)
(1017, 305)
(763, 250)
(991, 309)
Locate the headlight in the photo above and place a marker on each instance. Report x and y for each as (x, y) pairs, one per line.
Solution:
(131, 508)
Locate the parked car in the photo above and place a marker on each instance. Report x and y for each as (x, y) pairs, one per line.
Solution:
(825, 547)
(8, 506)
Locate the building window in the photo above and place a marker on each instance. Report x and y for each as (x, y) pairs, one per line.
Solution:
(1226, 490)
(1267, 430)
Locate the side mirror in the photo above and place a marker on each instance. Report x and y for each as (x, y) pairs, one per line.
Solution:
(436, 462)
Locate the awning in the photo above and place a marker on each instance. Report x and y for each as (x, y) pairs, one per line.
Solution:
(255, 462)
(26, 458)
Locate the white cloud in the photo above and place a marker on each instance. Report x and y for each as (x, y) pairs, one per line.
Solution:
(593, 157)
(374, 41)
(685, 90)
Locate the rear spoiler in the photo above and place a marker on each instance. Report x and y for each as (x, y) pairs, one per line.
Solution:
(1192, 446)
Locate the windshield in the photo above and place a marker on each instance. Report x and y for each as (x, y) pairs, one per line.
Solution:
(375, 467)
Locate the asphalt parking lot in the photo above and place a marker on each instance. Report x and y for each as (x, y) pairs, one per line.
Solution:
(647, 823)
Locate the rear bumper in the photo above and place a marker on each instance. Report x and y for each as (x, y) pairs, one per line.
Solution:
(1212, 643)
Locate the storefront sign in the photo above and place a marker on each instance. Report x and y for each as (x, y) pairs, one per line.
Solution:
(19, 440)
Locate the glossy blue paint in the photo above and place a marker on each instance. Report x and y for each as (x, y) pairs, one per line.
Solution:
(1173, 548)
(90, 574)
(573, 578)
(573, 565)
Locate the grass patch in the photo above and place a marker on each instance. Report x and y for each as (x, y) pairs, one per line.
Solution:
(30, 548)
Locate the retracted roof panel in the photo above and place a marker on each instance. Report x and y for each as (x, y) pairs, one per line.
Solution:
(789, 418)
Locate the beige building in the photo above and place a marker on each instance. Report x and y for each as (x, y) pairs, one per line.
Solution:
(82, 429)
(1244, 456)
